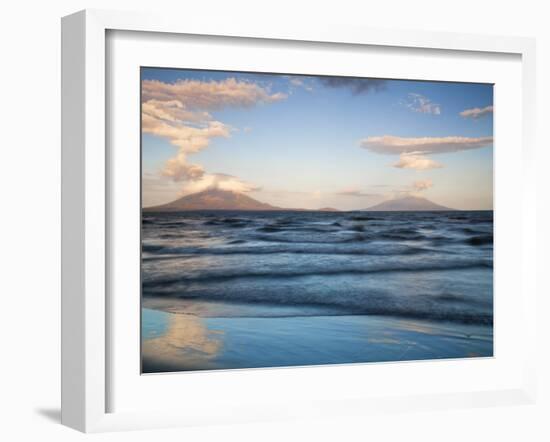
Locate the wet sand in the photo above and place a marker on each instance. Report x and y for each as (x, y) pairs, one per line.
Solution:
(188, 335)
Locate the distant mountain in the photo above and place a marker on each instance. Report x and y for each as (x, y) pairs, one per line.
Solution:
(327, 209)
(213, 199)
(407, 203)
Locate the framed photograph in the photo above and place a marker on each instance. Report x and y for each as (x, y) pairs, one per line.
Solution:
(277, 222)
(307, 236)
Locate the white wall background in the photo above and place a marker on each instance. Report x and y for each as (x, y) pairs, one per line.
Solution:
(30, 219)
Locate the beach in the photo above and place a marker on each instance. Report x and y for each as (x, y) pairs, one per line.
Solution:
(182, 342)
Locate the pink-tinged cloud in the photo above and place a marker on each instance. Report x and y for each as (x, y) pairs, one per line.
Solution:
(179, 169)
(209, 95)
(417, 162)
(188, 139)
(392, 145)
(172, 111)
(178, 112)
(477, 112)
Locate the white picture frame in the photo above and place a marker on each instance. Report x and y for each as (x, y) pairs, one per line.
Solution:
(86, 209)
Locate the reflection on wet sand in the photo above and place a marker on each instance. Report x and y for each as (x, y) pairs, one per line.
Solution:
(186, 345)
(177, 341)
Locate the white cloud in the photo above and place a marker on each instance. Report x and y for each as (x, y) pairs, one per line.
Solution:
(422, 104)
(389, 144)
(218, 181)
(417, 162)
(421, 185)
(477, 112)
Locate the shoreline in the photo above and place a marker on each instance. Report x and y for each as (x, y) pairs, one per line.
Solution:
(196, 335)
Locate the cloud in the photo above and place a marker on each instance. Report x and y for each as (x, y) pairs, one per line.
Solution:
(389, 144)
(417, 162)
(356, 193)
(209, 95)
(179, 112)
(422, 104)
(413, 151)
(172, 111)
(421, 185)
(356, 85)
(179, 169)
(189, 139)
(220, 181)
(300, 82)
(477, 112)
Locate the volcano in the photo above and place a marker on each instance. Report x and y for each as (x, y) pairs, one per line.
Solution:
(407, 203)
(213, 199)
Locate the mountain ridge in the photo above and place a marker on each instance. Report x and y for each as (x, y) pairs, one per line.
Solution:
(213, 199)
(407, 203)
(218, 199)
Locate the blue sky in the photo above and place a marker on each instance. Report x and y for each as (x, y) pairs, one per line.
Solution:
(311, 142)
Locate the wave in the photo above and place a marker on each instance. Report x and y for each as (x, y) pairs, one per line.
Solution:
(390, 250)
(324, 240)
(473, 217)
(163, 224)
(327, 309)
(277, 228)
(237, 241)
(227, 275)
(270, 229)
(343, 263)
(365, 218)
(294, 301)
(229, 222)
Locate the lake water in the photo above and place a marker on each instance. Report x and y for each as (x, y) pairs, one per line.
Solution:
(225, 289)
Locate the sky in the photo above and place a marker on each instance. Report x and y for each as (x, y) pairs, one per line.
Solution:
(310, 142)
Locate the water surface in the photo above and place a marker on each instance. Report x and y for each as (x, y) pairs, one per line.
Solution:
(260, 289)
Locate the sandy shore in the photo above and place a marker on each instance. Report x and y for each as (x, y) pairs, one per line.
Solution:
(187, 335)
